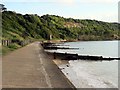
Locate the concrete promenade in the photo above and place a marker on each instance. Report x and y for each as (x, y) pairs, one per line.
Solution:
(31, 67)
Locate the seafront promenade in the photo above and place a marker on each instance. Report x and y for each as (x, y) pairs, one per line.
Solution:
(31, 67)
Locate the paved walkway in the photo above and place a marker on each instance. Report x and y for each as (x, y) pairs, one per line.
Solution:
(31, 67)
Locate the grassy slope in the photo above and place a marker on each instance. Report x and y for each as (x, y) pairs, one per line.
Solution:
(21, 27)
(18, 26)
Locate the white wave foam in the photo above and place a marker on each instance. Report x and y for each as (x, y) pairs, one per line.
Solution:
(83, 75)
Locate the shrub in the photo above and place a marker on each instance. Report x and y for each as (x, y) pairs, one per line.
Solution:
(14, 46)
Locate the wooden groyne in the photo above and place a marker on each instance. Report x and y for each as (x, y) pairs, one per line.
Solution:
(53, 46)
(70, 56)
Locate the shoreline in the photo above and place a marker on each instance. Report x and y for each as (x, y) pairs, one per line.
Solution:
(70, 74)
(65, 67)
(75, 56)
(75, 40)
(82, 80)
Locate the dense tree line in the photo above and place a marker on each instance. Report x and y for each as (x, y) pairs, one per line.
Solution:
(19, 27)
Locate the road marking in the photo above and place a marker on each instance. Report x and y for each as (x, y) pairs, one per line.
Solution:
(43, 69)
(45, 73)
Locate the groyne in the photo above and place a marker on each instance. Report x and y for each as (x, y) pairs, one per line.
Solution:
(72, 56)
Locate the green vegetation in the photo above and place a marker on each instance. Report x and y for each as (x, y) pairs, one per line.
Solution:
(18, 27)
(14, 46)
(11, 47)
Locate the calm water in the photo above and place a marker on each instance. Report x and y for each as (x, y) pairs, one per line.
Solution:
(95, 74)
(100, 48)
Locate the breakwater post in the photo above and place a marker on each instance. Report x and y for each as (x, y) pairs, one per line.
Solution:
(71, 56)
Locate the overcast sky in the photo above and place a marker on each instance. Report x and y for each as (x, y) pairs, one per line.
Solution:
(103, 10)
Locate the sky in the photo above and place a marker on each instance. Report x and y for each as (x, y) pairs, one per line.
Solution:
(102, 10)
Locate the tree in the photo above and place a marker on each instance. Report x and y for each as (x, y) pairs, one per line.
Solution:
(2, 8)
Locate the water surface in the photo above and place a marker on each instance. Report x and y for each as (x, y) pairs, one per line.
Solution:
(99, 48)
(93, 74)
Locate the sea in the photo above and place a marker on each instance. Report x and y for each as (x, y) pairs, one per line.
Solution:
(92, 74)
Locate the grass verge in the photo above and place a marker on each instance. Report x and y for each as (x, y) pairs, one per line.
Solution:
(6, 49)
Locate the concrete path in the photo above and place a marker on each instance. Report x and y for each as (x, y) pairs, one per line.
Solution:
(31, 67)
